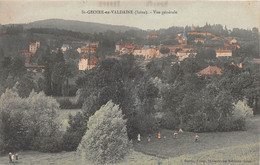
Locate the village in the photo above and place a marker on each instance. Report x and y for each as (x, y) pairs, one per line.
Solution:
(223, 48)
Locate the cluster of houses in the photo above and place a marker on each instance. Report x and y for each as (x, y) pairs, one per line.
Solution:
(183, 49)
(33, 47)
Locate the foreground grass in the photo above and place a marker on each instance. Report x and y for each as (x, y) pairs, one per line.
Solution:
(218, 148)
(238, 155)
(185, 145)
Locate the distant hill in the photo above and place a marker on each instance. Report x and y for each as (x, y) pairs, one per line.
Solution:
(77, 26)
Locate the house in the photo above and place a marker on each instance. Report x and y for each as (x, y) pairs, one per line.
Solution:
(210, 71)
(65, 47)
(91, 47)
(87, 63)
(87, 50)
(152, 35)
(200, 33)
(127, 49)
(38, 44)
(32, 48)
(147, 51)
(92, 44)
(119, 46)
(124, 47)
(202, 40)
(223, 53)
(138, 50)
(182, 54)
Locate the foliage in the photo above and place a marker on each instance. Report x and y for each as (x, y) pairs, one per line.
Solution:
(106, 139)
(28, 123)
(242, 110)
(76, 129)
(164, 50)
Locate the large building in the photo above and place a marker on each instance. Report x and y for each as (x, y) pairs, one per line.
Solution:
(147, 51)
(87, 63)
(223, 53)
(182, 54)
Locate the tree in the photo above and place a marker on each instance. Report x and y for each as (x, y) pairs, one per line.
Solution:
(76, 129)
(106, 139)
(242, 110)
(29, 123)
(12, 129)
(25, 85)
(164, 50)
(42, 120)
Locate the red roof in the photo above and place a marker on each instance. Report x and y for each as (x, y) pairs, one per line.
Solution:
(92, 60)
(210, 70)
(152, 35)
(31, 43)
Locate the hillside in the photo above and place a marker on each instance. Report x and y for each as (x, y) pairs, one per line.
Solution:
(77, 26)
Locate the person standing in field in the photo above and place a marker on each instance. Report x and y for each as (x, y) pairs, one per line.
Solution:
(180, 130)
(175, 134)
(139, 137)
(149, 138)
(159, 135)
(13, 159)
(196, 137)
(16, 157)
(10, 157)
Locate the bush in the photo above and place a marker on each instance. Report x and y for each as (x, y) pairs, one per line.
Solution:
(29, 123)
(170, 121)
(141, 123)
(65, 103)
(106, 139)
(76, 129)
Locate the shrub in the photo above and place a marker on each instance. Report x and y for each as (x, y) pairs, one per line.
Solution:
(242, 110)
(28, 123)
(76, 129)
(170, 121)
(66, 103)
(106, 139)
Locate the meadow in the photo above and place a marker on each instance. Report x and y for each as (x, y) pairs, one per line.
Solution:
(217, 148)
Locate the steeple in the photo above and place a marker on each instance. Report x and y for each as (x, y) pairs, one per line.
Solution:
(184, 37)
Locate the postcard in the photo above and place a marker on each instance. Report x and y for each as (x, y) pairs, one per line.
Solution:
(129, 82)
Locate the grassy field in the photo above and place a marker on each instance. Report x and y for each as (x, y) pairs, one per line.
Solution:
(220, 148)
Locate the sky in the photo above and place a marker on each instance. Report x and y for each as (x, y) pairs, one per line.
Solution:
(239, 14)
